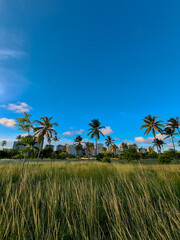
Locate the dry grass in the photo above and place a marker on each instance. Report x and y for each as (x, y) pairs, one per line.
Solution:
(90, 201)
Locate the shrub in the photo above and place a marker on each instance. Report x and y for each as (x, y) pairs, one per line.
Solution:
(3, 154)
(99, 156)
(164, 159)
(17, 156)
(63, 155)
(106, 160)
(71, 156)
(152, 155)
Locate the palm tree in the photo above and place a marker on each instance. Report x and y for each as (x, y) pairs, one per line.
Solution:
(29, 143)
(109, 141)
(114, 148)
(18, 137)
(95, 130)
(170, 132)
(152, 125)
(158, 143)
(88, 147)
(4, 143)
(55, 139)
(78, 140)
(174, 123)
(45, 130)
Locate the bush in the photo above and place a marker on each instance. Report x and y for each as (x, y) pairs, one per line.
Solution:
(99, 156)
(71, 156)
(152, 155)
(63, 155)
(4, 154)
(106, 160)
(164, 158)
(17, 156)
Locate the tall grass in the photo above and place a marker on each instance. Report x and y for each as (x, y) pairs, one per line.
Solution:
(90, 201)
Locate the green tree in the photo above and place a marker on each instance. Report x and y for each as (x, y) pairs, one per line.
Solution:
(95, 130)
(152, 125)
(170, 133)
(78, 147)
(45, 130)
(24, 123)
(3, 143)
(29, 143)
(114, 148)
(55, 139)
(158, 143)
(174, 123)
(109, 141)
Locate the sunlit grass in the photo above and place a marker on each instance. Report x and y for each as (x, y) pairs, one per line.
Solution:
(89, 201)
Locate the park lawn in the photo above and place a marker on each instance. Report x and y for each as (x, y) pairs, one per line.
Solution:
(89, 200)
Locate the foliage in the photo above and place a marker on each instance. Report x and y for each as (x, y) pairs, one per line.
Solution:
(99, 156)
(4, 154)
(46, 152)
(152, 155)
(63, 155)
(90, 201)
(24, 123)
(164, 158)
(106, 160)
(18, 156)
(130, 154)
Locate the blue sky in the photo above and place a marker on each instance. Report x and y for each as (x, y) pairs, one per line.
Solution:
(78, 60)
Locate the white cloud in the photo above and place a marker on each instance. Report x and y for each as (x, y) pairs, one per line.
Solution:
(107, 130)
(150, 139)
(18, 107)
(73, 132)
(7, 122)
(116, 138)
(144, 140)
(10, 53)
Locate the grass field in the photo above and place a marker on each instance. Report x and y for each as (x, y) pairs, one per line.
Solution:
(89, 200)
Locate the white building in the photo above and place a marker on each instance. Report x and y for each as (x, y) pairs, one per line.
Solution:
(99, 147)
(142, 150)
(59, 147)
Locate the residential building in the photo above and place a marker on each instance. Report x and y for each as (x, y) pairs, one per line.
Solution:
(59, 147)
(99, 147)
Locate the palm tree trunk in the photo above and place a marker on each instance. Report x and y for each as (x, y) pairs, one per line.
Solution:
(174, 149)
(96, 146)
(156, 145)
(40, 148)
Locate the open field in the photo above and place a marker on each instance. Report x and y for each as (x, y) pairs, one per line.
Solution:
(83, 200)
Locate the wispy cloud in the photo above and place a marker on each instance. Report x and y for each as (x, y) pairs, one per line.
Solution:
(73, 132)
(116, 138)
(18, 107)
(7, 122)
(10, 53)
(107, 130)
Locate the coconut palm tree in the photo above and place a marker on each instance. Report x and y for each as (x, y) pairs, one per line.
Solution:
(152, 125)
(88, 147)
(45, 130)
(170, 133)
(95, 130)
(4, 143)
(109, 141)
(158, 143)
(18, 137)
(78, 140)
(55, 139)
(174, 123)
(114, 148)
